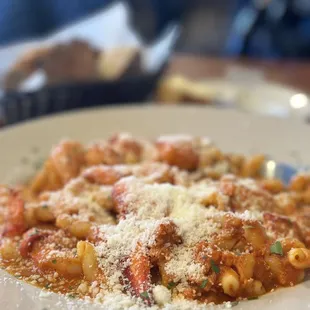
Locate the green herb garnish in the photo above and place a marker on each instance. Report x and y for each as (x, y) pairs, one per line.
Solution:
(171, 285)
(144, 295)
(204, 283)
(71, 295)
(54, 261)
(253, 298)
(38, 164)
(47, 286)
(215, 267)
(44, 207)
(276, 248)
(238, 253)
(234, 303)
(35, 232)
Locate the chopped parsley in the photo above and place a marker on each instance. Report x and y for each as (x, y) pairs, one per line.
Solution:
(276, 248)
(215, 267)
(204, 283)
(144, 295)
(71, 295)
(54, 261)
(252, 298)
(44, 206)
(234, 303)
(38, 164)
(171, 285)
(35, 232)
(47, 286)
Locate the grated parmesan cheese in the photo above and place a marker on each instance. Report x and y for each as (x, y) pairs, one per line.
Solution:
(177, 138)
(162, 295)
(182, 266)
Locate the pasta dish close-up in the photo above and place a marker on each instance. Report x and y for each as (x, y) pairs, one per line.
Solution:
(152, 223)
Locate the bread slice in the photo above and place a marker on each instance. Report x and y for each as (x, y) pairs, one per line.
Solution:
(120, 62)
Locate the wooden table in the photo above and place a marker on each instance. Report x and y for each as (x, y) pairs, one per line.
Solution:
(289, 73)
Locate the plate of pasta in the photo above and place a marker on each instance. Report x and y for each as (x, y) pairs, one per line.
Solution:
(153, 208)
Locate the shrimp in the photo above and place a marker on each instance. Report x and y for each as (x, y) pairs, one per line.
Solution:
(102, 153)
(109, 175)
(119, 193)
(52, 250)
(128, 147)
(106, 175)
(15, 217)
(281, 225)
(64, 163)
(178, 152)
(165, 237)
(28, 240)
(138, 273)
(68, 158)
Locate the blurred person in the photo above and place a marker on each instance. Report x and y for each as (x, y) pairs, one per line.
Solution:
(254, 28)
(26, 19)
(257, 28)
(270, 29)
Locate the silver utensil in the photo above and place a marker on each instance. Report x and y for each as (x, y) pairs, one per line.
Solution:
(284, 172)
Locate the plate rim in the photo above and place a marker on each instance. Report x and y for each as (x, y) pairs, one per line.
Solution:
(144, 106)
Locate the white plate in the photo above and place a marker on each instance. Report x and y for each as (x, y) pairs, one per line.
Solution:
(234, 131)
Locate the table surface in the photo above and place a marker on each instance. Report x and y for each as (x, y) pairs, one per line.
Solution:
(290, 73)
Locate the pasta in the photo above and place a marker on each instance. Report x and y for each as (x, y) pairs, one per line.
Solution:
(299, 258)
(157, 222)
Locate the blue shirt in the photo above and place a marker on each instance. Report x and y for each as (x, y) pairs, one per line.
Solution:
(24, 19)
(281, 30)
